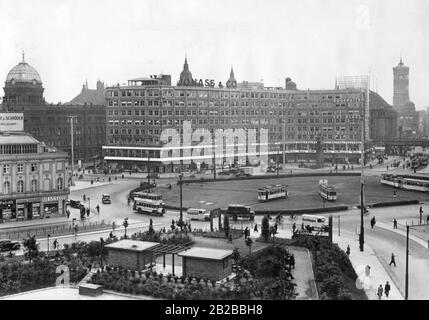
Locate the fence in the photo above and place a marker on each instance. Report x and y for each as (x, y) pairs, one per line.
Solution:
(57, 230)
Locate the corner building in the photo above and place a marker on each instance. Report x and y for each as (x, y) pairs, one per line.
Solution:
(139, 112)
(33, 179)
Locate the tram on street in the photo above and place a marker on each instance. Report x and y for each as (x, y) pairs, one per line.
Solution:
(405, 182)
(326, 191)
(268, 193)
(148, 196)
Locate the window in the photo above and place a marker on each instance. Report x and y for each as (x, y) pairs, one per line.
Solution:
(20, 186)
(33, 185)
(33, 167)
(6, 187)
(6, 168)
(60, 184)
(47, 185)
(20, 168)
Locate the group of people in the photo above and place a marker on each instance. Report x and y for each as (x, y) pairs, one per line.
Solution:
(386, 290)
(289, 264)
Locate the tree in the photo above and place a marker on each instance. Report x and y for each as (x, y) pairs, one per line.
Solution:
(31, 247)
(226, 225)
(265, 228)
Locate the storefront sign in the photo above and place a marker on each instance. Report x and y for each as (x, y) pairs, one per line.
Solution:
(11, 122)
(55, 198)
(208, 83)
(7, 202)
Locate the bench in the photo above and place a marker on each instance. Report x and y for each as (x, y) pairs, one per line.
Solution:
(89, 289)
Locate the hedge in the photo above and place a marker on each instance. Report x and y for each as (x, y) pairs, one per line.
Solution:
(392, 203)
(301, 211)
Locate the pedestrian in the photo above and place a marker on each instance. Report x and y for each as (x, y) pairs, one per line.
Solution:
(348, 250)
(372, 222)
(293, 227)
(84, 197)
(98, 209)
(380, 292)
(387, 167)
(302, 226)
(256, 228)
(88, 212)
(245, 233)
(427, 219)
(392, 260)
(55, 243)
(111, 235)
(75, 230)
(68, 213)
(387, 289)
(395, 224)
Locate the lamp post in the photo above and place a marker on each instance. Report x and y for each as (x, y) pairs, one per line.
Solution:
(72, 148)
(406, 263)
(181, 198)
(214, 165)
(362, 206)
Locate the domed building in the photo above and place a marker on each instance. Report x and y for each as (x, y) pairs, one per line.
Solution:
(23, 86)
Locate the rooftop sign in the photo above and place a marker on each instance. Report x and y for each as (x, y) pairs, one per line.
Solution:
(11, 122)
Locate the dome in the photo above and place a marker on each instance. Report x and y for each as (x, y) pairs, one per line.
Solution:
(23, 72)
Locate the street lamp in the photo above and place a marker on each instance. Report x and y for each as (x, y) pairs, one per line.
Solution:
(181, 198)
(406, 263)
(48, 242)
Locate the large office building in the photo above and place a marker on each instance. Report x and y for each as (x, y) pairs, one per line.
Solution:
(50, 123)
(33, 178)
(140, 116)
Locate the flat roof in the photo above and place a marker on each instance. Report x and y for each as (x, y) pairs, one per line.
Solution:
(17, 139)
(206, 253)
(132, 245)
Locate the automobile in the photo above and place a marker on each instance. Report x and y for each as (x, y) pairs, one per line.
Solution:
(75, 204)
(8, 245)
(242, 174)
(105, 199)
(224, 173)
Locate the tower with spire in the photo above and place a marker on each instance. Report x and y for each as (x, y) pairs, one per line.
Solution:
(186, 75)
(232, 82)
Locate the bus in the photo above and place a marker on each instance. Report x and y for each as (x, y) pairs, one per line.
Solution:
(326, 191)
(272, 192)
(198, 214)
(148, 196)
(317, 223)
(148, 206)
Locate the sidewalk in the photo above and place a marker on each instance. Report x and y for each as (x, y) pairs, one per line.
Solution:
(33, 223)
(402, 232)
(80, 185)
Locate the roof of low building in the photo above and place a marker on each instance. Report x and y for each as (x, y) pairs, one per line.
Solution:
(12, 138)
(89, 96)
(206, 253)
(132, 245)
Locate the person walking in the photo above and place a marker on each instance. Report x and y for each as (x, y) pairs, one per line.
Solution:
(293, 227)
(372, 222)
(75, 230)
(68, 213)
(98, 209)
(395, 224)
(55, 243)
(387, 289)
(380, 292)
(245, 233)
(88, 212)
(256, 228)
(348, 250)
(392, 260)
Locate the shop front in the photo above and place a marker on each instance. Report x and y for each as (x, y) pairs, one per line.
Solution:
(53, 206)
(28, 209)
(7, 210)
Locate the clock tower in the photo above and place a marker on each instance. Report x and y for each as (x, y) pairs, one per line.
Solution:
(401, 93)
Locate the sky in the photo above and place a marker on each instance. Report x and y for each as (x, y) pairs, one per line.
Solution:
(311, 41)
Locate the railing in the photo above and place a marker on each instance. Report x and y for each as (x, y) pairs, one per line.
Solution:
(53, 231)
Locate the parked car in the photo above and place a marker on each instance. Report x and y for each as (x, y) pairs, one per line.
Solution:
(75, 204)
(224, 173)
(105, 199)
(8, 245)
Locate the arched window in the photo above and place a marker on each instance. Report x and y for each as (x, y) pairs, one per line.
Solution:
(6, 187)
(60, 183)
(20, 186)
(34, 186)
(47, 185)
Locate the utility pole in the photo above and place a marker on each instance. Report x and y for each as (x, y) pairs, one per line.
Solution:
(278, 151)
(362, 205)
(181, 198)
(148, 171)
(72, 149)
(214, 165)
(406, 263)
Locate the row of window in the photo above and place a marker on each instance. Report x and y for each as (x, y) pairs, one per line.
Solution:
(33, 167)
(20, 186)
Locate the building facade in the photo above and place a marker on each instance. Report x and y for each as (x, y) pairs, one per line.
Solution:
(51, 123)
(33, 179)
(140, 114)
(383, 119)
